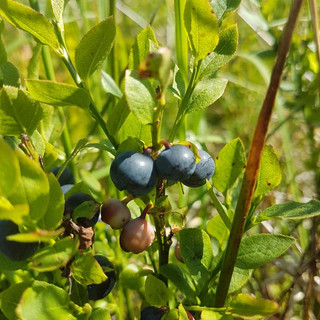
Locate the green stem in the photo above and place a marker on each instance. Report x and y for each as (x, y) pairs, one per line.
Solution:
(251, 173)
(181, 39)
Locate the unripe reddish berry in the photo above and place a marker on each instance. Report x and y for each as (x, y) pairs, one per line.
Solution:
(177, 252)
(115, 213)
(136, 236)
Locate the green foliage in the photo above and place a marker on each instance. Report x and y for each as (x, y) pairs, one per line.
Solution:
(94, 47)
(157, 294)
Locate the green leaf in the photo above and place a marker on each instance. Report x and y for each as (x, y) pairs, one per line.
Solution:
(141, 47)
(244, 305)
(57, 7)
(290, 210)
(212, 315)
(269, 172)
(58, 94)
(217, 228)
(10, 170)
(10, 298)
(109, 85)
(221, 7)
(33, 67)
(55, 256)
(180, 278)
(94, 47)
(156, 292)
(230, 163)
(43, 301)
(3, 53)
(100, 314)
(122, 124)
(36, 236)
(86, 270)
(16, 213)
(222, 54)
(10, 75)
(256, 250)
(140, 97)
(54, 213)
(19, 113)
(206, 92)
(33, 189)
(7, 264)
(239, 279)
(202, 28)
(31, 21)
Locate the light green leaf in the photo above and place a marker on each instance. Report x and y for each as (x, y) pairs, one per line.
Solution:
(230, 162)
(31, 21)
(36, 236)
(54, 213)
(122, 124)
(58, 94)
(33, 67)
(290, 210)
(33, 188)
(202, 28)
(217, 228)
(140, 97)
(43, 301)
(10, 298)
(256, 250)
(180, 278)
(100, 314)
(222, 54)
(239, 279)
(19, 113)
(156, 292)
(269, 175)
(206, 92)
(222, 6)
(10, 170)
(94, 47)
(57, 7)
(109, 85)
(141, 47)
(86, 270)
(245, 305)
(16, 213)
(55, 256)
(3, 53)
(212, 315)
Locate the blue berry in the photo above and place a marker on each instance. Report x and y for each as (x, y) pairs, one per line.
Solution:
(66, 177)
(134, 172)
(204, 170)
(12, 249)
(101, 290)
(176, 163)
(151, 313)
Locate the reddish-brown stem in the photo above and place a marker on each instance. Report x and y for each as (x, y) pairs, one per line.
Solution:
(250, 176)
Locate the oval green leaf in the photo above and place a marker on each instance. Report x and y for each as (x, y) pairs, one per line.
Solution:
(156, 292)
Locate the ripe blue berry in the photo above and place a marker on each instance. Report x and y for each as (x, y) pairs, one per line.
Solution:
(151, 313)
(176, 163)
(12, 249)
(204, 170)
(115, 213)
(101, 290)
(66, 177)
(134, 172)
(74, 201)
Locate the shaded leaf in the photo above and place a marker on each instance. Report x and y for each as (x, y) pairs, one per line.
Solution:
(109, 85)
(156, 292)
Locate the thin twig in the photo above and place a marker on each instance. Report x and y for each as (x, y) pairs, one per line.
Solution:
(253, 164)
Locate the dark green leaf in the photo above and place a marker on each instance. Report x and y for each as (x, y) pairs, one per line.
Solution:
(31, 21)
(10, 75)
(290, 210)
(58, 94)
(256, 250)
(244, 305)
(206, 92)
(202, 28)
(180, 278)
(156, 292)
(222, 54)
(94, 47)
(19, 113)
(8, 264)
(230, 162)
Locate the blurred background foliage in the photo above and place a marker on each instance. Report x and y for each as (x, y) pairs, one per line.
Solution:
(294, 131)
